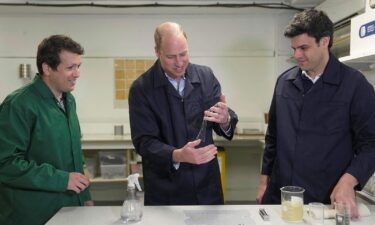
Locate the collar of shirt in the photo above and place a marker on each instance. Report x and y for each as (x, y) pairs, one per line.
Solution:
(179, 86)
(316, 78)
(61, 103)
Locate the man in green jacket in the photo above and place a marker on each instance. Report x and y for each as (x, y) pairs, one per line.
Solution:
(41, 162)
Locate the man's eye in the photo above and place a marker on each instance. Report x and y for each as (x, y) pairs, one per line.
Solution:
(73, 67)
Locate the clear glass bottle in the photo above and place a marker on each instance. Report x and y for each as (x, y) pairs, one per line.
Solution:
(132, 208)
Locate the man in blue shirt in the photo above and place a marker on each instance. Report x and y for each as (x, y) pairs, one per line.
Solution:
(321, 133)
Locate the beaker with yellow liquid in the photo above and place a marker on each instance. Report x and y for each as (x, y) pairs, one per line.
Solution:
(292, 203)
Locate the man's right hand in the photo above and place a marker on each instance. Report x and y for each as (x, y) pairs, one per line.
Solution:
(263, 182)
(190, 154)
(77, 182)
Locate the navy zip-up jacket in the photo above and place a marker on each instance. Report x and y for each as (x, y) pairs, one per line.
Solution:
(161, 120)
(313, 138)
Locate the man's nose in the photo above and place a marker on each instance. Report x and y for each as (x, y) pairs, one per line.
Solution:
(77, 72)
(297, 53)
(179, 61)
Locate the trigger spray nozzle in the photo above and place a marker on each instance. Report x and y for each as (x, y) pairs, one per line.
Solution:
(133, 181)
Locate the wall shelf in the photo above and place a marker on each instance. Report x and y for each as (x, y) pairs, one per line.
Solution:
(364, 61)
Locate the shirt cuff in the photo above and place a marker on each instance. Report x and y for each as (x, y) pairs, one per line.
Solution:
(227, 132)
(176, 165)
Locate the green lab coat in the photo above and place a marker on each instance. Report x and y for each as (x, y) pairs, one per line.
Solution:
(39, 146)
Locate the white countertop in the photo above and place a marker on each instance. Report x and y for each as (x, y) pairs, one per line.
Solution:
(178, 215)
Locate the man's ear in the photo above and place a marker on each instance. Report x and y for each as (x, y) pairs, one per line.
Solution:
(46, 69)
(325, 41)
(157, 52)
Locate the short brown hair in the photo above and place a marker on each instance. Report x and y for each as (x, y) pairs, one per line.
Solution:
(50, 48)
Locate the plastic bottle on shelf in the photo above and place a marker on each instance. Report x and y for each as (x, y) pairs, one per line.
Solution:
(132, 208)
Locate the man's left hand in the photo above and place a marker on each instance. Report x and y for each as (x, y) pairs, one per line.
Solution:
(219, 114)
(344, 192)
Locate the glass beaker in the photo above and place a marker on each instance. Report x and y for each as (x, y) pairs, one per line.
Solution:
(315, 213)
(292, 203)
(342, 213)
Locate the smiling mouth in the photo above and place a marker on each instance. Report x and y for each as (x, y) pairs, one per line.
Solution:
(180, 69)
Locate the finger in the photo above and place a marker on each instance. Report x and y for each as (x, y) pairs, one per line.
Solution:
(194, 143)
(81, 186)
(205, 153)
(80, 178)
(208, 148)
(222, 98)
(355, 213)
(354, 210)
(213, 150)
(217, 107)
(213, 113)
(76, 190)
(332, 201)
(205, 159)
(220, 112)
(221, 105)
(212, 119)
(213, 109)
(258, 200)
(85, 180)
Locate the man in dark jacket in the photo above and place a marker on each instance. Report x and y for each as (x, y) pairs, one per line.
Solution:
(322, 122)
(167, 106)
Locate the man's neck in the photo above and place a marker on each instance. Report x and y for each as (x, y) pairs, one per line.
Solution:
(58, 95)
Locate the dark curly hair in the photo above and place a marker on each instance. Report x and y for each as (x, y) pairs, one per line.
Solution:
(50, 48)
(313, 22)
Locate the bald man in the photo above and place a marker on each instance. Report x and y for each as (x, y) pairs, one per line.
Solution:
(167, 105)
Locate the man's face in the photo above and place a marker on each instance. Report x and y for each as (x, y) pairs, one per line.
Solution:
(309, 54)
(64, 78)
(173, 55)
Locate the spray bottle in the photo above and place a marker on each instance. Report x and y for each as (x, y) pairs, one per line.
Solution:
(132, 207)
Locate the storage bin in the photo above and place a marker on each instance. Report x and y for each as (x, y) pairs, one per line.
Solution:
(112, 164)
